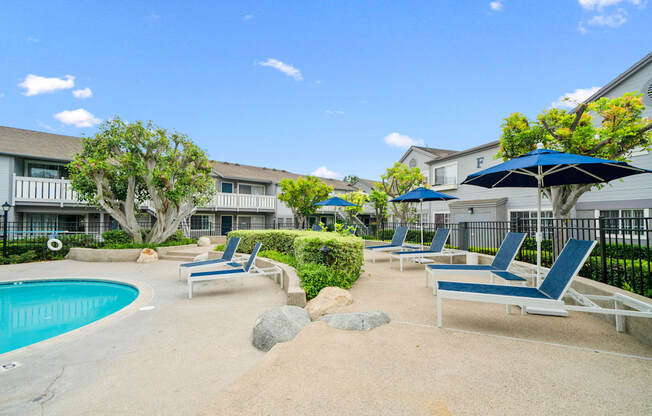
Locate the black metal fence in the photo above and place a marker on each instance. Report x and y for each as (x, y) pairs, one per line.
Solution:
(622, 257)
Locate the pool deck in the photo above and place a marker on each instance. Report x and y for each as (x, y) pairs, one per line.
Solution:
(195, 357)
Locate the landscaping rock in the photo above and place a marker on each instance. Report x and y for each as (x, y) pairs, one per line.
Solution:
(147, 256)
(278, 324)
(360, 321)
(328, 299)
(204, 242)
(201, 257)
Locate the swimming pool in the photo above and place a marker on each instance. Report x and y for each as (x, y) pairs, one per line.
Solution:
(32, 311)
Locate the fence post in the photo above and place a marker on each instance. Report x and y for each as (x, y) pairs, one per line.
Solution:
(4, 233)
(603, 249)
(463, 235)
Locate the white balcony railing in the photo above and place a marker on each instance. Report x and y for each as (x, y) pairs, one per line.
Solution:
(244, 201)
(58, 191)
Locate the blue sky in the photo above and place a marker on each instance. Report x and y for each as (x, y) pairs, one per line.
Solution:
(308, 84)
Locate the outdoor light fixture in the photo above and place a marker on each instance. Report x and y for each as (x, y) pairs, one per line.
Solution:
(469, 210)
(5, 209)
(6, 206)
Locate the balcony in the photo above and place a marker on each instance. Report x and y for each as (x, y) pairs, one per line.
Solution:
(59, 191)
(247, 202)
(42, 190)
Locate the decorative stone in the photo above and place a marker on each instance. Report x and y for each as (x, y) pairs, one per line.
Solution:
(278, 324)
(360, 321)
(147, 256)
(201, 257)
(328, 299)
(204, 242)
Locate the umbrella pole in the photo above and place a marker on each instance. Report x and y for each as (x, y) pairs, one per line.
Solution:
(538, 236)
(421, 218)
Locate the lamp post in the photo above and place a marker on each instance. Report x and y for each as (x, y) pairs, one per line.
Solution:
(5, 208)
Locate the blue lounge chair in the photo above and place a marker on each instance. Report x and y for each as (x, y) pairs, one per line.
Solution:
(227, 256)
(548, 295)
(316, 227)
(234, 273)
(504, 257)
(436, 248)
(397, 242)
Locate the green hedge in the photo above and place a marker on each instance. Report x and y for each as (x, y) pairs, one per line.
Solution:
(340, 267)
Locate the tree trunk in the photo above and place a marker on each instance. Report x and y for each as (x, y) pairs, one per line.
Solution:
(563, 198)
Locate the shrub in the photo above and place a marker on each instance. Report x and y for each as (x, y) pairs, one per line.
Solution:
(220, 247)
(115, 237)
(343, 260)
(344, 253)
(314, 277)
(278, 240)
(278, 256)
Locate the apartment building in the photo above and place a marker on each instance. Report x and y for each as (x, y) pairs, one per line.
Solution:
(445, 170)
(33, 172)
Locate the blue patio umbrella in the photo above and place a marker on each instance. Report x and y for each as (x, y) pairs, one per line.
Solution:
(420, 195)
(541, 168)
(335, 201)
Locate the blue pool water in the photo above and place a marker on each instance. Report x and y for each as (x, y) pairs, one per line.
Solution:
(36, 310)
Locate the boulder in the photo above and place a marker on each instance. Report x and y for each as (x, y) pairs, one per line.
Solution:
(359, 321)
(328, 299)
(201, 257)
(204, 242)
(278, 324)
(147, 256)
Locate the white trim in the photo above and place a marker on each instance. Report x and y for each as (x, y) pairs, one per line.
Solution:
(639, 237)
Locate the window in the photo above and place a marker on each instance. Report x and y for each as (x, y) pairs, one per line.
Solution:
(200, 222)
(227, 187)
(251, 189)
(413, 162)
(479, 161)
(46, 170)
(526, 222)
(446, 175)
(442, 218)
(623, 222)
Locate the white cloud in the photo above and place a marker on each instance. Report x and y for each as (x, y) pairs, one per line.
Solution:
(600, 4)
(2, 95)
(288, 70)
(401, 140)
(614, 20)
(496, 5)
(83, 93)
(79, 118)
(32, 40)
(35, 84)
(324, 172)
(247, 17)
(581, 28)
(334, 112)
(572, 99)
(45, 126)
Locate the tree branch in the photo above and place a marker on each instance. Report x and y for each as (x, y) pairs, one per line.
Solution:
(548, 129)
(578, 115)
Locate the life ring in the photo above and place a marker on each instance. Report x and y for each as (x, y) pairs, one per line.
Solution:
(55, 244)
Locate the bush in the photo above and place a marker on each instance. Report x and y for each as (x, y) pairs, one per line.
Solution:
(278, 240)
(278, 256)
(314, 277)
(115, 237)
(343, 260)
(344, 253)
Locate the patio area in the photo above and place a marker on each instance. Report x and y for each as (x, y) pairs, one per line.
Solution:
(195, 356)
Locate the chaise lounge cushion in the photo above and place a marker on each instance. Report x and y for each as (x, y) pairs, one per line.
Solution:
(519, 291)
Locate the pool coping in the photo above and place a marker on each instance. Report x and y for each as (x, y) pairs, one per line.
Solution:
(145, 296)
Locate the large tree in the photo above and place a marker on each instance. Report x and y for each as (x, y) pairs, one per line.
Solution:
(302, 194)
(125, 165)
(618, 130)
(396, 181)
